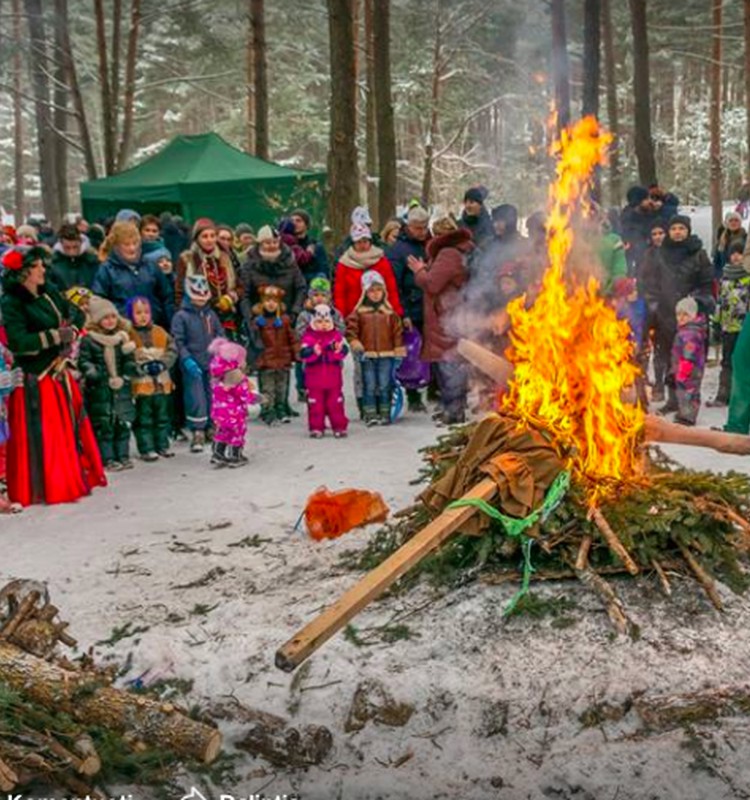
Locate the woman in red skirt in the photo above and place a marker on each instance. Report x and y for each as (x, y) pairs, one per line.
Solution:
(52, 453)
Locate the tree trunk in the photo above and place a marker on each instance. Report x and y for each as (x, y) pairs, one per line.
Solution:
(560, 64)
(114, 66)
(371, 131)
(644, 145)
(18, 171)
(615, 177)
(60, 116)
(128, 105)
(747, 77)
(715, 118)
(429, 148)
(82, 696)
(343, 171)
(71, 77)
(257, 9)
(249, 82)
(384, 112)
(108, 134)
(591, 57)
(42, 111)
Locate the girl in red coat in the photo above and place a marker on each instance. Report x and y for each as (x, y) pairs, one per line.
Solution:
(356, 260)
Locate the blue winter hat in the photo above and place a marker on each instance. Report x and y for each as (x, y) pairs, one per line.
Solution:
(128, 215)
(156, 255)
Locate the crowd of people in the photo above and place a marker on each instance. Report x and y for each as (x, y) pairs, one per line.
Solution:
(143, 329)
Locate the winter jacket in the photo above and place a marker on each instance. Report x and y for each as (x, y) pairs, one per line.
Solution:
(193, 330)
(409, 293)
(118, 281)
(313, 264)
(734, 299)
(649, 277)
(684, 269)
(68, 271)
(284, 273)
(441, 281)
(375, 331)
(106, 383)
(611, 251)
(32, 323)
(481, 228)
(347, 282)
(689, 353)
(274, 338)
(636, 224)
(323, 370)
(154, 347)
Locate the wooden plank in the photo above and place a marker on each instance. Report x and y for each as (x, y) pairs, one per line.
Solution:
(316, 633)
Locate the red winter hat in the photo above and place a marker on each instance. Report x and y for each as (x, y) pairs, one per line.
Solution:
(9, 230)
(19, 257)
(202, 224)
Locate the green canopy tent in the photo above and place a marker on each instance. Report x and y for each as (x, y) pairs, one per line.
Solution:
(197, 176)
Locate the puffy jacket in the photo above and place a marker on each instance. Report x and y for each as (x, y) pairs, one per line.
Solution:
(375, 332)
(193, 330)
(410, 294)
(284, 273)
(684, 269)
(68, 271)
(347, 285)
(274, 338)
(118, 281)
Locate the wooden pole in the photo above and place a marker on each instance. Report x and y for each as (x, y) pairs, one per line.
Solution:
(306, 641)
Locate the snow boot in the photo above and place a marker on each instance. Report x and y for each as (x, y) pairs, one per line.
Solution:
(671, 405)
(198, 442)
(219, 454)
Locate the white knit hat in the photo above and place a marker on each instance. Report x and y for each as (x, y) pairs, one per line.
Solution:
(687, 305)
(359, 232)
(372, 278)
(266, 234)
(361, 216)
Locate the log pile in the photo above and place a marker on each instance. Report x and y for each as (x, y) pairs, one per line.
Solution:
(62, 723)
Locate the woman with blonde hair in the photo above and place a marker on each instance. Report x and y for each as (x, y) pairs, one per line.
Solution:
(125, 274)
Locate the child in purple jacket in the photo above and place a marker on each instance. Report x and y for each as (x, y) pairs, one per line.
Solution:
(323, 352)
(689, 360)
(230, 396)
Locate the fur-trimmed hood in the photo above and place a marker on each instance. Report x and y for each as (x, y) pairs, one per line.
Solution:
(461, 239)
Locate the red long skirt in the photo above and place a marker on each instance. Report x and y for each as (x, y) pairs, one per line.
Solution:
(52, 452)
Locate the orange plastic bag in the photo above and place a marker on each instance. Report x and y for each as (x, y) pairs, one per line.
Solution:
(330, 514)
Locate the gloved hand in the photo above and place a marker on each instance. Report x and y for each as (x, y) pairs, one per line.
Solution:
(225, 304)
(154, 368)
(277, 323)
(192, 367)
(260, 321)
(67, 335)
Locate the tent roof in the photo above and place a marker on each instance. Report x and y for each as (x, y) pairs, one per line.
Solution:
(205, 158)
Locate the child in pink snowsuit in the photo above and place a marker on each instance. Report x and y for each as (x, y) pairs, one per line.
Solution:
(230, 396)
(323, 352)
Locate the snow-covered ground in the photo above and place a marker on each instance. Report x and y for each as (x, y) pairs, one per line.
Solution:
(497, 703)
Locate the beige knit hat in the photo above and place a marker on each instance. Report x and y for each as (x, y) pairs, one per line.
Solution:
(100, 307)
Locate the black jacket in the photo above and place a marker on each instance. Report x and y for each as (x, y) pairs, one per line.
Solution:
(284, 273)
(684, 269)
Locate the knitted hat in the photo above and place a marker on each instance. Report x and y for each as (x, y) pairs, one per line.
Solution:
(271, 293)
(156, 255)
(130, 305)
(300, 212)
(361, 216)
(27, 233)
(737, 247)
(623, 287)
(100, 307)
(230, 355)
(476, 194)
(197, 288)
(687, 305)
(732, 215)
(359, 232)
(78, 295)
(319, 285)
(266, 234)
(417, 214)
(322, 313)
(681, 219)
(372, 278)
(127, 215)
(202, 224)
(636, 195)
(243, 227)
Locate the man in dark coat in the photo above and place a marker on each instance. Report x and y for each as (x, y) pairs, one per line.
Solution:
(475, 216)
(316, 265)
(72, 264)
(685, 270)
(644, 208)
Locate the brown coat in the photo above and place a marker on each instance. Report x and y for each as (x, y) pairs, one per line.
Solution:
(375, 332)
(441, 282)
(278, 343)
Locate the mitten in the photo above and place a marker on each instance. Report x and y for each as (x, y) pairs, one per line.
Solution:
(154, 368)
(260, 322)
(225, 304)
(192, 367)
(277, 323)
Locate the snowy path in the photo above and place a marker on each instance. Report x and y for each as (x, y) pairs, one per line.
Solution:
(496, 703)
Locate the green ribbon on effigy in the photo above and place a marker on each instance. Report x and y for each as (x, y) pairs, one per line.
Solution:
(516, 527)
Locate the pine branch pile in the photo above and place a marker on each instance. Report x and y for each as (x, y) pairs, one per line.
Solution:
(64, 725)
(675, 521)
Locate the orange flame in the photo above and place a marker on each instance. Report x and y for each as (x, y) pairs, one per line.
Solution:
(573, 358)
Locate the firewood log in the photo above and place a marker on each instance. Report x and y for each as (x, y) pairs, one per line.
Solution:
(8, 777)
(665, 712)
(86, 700)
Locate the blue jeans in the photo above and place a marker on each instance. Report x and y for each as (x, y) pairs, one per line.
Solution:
(377, 379)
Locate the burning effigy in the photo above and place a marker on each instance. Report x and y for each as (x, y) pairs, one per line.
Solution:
(561, 479)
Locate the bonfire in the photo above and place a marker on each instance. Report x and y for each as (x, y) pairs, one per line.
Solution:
(560, 479)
